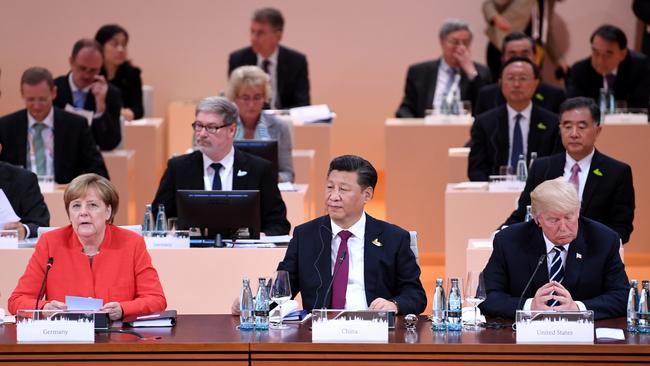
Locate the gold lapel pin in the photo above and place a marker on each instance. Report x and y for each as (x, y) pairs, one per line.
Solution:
(376, 242)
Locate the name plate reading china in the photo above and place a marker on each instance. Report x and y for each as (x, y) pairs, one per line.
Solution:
(38, 326)
(339, 326)
(8, 239)
(555, 327)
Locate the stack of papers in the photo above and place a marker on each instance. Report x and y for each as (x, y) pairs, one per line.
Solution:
(312, 113)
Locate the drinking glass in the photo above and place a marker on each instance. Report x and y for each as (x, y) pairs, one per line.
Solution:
(280, 293)
(475, 294)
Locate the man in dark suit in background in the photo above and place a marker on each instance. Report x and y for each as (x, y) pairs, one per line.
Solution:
(612, 66)
(46, 139)
(84, 89)
(377, 269)
(286, 67)
(604, 184)
(428, 83)
(217, 165)
(582, 270)
(519, 127)
(546, 95)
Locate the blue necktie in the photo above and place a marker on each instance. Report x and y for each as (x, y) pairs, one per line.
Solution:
(557, 269)
(517, 143)
(450, 82)
(79, 99)
(216, 182)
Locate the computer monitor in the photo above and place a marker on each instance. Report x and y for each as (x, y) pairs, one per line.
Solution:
(265, 149)
(233, 214)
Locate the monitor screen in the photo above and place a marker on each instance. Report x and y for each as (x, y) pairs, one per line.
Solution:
(265, 149)
(233, 214)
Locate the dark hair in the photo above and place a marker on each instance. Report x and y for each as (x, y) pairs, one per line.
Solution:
(35, 75)
(106, 32)
(581, 102)
(516, 36)
(86, 43)
(366, 173)
(610, 33)
(271, 16)
(522, 59)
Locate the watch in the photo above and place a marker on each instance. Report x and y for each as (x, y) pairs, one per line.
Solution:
(396, 304)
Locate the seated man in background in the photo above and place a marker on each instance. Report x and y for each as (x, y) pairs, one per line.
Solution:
(519, 127)
(377, 269)
(83, 88)
(546, 95)
(217, 165)
(604, 185)
(583, 269)
(428, 83)
(45, 139)
(612, 66)
(286, 67)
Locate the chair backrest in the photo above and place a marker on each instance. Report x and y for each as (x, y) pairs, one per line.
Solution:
(414, 245)
(135, 228)
(620, 251)
(147, 100)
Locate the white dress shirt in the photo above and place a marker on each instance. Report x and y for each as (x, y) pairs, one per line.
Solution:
(273, 73)
(441, 84)
(524, 124)
(225, 173)
(355, 296)
(48, 141)
(584, 165)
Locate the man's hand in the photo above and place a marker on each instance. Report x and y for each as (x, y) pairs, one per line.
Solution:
(563, 296)
(501, 23)
(382, 304)
(99, 90)
(464, 58)
(55, 305)
(18, 227)
(542, 296)
(114, 310)
(127, 113)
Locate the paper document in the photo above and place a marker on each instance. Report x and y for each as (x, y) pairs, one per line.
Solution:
(88, 115)
(287, 187)
(7, 213)
(83, 303)
(610, 333)
(312, 113)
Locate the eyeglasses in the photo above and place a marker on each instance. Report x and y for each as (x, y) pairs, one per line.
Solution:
(212, 129)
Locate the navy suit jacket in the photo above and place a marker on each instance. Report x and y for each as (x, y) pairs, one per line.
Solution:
(420, 87)
(21, 188)
(186, 172)
(608, 197)
(75, 151)
(490, 142)
(546, 96)
(593, 272)
(390, 272)
(106, 129)
(292, 72)
(632, 82)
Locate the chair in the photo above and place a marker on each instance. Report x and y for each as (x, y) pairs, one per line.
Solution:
(147, 100)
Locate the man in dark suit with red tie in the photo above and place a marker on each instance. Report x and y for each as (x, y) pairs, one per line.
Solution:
(286, 67)
(368, 262)
(604, 184)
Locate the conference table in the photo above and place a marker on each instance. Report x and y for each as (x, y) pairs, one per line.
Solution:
(214, 339)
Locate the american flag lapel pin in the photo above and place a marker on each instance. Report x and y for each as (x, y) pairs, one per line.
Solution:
(578, 256)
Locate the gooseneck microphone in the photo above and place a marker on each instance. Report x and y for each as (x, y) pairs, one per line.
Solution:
(530, 280)
(50, 262)
(336, 269)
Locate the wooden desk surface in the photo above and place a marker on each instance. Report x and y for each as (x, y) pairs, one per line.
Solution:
(212, 338)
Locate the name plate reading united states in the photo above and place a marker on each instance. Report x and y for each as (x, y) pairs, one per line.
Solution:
(46, 326)
(555, 327)
(340, 326)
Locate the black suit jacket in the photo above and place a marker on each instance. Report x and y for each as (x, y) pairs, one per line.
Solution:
(546, 96)
(21, 188)
(292, 72)
(593, 272)
(390, 272)
(186, 172)
(632, 80)
(490, 141)
(127, 79)
(106, 129)
(608, 197)
(420, 87)
(75, 151)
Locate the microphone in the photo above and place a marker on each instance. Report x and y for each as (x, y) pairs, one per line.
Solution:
(541, 260)
(50, 262)
(336, 269)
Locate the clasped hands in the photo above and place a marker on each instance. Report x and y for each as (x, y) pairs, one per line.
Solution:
(553, 291)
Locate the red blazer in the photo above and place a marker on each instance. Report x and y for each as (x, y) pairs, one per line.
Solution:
(122, 271)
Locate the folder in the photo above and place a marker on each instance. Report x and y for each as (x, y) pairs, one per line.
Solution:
(166, 318)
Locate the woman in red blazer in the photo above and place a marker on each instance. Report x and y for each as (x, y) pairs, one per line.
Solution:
(92, 258)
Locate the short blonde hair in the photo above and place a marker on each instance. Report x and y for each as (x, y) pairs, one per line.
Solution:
(248, 76)
(555, 195)
(80, 185)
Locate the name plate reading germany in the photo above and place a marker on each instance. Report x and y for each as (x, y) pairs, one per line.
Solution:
(555, 327)
(37, 326)
(340, 326)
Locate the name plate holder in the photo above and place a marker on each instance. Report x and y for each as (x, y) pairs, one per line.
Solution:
(167, 240)
(342, 326)
(8, 239)
(555, 327)
(47, 326)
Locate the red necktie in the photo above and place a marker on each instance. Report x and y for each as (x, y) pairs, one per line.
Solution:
(340, 282)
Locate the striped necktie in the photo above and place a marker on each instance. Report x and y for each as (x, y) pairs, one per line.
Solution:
(557, 269)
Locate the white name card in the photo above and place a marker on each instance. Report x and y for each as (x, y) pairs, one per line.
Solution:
(336, 326)
(56, 331)
(555, 327)
(167, 242)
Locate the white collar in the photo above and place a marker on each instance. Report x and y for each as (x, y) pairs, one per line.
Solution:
(273, 57)
(584, 164)
(525, 112)
(48, 120)
(74, 87)
(357, 229)
(550, 245)
(227, 160)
